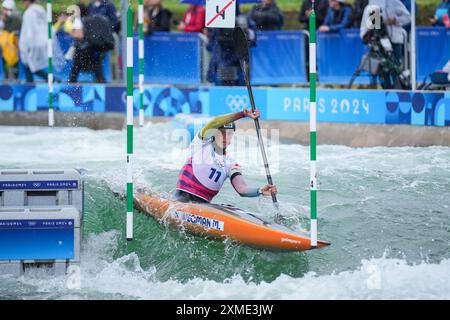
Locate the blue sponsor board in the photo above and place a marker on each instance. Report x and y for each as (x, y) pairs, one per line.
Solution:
(418, 108)
(289, 49)
(36, 239)
(116, 99)
(339, 55)
(291, 104)
(67, 98)
(169, 101)
(234, 99)
(170, 58)
(159, 101)
(33, 224)
(17, 97)
(39, 185)
(76, 98)
(332, 105)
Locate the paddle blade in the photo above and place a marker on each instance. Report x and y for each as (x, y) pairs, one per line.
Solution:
(241, 45)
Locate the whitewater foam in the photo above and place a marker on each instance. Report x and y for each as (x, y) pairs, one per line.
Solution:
(369, 199)
(124, 278)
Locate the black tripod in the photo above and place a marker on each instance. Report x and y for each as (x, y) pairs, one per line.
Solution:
(381, 63)
(370, 64)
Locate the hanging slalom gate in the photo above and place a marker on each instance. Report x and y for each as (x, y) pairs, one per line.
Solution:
(129, 121)
(41, 217)
(129, 81)
(313, 124)
(129, 186)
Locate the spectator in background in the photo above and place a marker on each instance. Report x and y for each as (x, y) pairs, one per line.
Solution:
(441, 16)
(320, 8)
(156, 17)
(193, 19)
(10, 22)
(93, 37)
(33, 41)
(267, 16)
(63, 23)
(106, 9)
(357, 12)
(10, 18)
(80, 53)
(394, 16)
(338, 16)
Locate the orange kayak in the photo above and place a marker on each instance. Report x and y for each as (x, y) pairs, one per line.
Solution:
(224, 221)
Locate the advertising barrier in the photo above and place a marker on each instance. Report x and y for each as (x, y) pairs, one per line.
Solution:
(290, 104)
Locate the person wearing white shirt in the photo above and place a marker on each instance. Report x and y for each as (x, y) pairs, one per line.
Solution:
(33, 41)
(395, 16)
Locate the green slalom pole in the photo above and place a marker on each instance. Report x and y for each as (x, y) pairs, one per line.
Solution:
(141, 62)
(313, 123)
(129, 122)
(51, 115)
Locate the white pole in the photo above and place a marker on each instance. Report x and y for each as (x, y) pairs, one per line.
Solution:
(129, 76)
(141, 62)
(51, 115)
(413, 46)
(313, 123)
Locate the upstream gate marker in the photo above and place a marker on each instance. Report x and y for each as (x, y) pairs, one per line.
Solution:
(313, 123)
(129, 76)
(220, 14)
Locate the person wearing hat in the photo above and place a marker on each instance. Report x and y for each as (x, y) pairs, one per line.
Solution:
(338, 16)
(209, 165)
(33, 41)
(10, 19)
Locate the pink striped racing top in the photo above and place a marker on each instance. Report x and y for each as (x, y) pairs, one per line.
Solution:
(205, 171)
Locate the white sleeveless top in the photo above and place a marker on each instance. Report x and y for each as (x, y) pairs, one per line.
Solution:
(205, 171)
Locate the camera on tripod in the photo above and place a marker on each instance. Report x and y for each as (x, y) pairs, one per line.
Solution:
(380, 61)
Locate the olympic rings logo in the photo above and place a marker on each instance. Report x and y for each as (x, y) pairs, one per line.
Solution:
(237, 103)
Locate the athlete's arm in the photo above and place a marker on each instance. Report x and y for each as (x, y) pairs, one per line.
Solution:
(241, 187)
(219, 121)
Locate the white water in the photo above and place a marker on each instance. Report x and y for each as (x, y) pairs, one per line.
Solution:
(386, 211)
(376, 278)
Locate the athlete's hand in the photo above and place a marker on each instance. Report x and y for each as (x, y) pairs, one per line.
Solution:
(268, 189)
(250, 114)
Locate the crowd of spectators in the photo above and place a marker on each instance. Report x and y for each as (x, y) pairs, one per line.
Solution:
(93, 26)
(25, 35)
